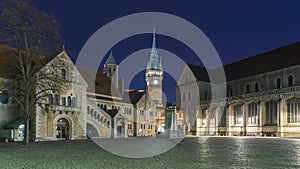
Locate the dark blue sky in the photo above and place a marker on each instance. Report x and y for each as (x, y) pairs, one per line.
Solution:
(237, 29)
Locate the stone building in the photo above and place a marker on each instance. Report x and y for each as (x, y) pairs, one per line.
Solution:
(262, 97)
(91, 104)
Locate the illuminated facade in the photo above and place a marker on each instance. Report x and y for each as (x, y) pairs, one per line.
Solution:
(263, 97)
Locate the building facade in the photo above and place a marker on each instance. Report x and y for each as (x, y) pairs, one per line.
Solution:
(91, 104)
(262, 97)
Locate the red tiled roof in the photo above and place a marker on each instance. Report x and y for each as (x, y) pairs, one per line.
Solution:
(98, 83)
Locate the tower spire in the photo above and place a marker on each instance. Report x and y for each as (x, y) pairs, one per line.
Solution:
(154, 62)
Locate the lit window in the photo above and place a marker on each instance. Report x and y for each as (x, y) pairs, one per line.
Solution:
(238, 118)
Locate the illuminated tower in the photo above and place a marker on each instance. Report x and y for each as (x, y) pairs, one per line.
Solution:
(154, 75)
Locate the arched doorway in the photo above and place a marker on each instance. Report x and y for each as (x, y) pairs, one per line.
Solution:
(63, 129)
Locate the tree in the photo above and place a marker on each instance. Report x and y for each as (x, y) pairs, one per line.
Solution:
(32, 34)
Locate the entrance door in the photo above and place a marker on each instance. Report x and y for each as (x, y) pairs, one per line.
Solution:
(62, 129)
(119, 130)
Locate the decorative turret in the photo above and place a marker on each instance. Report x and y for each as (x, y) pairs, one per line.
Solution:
(111, 69)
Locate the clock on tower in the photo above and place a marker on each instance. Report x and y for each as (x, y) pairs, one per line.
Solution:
(154, 75)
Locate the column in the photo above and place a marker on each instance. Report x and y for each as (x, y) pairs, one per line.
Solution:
(280, 117)
(260, 116)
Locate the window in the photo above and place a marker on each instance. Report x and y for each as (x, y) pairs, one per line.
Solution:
(229, 91)
(293, 111)
(50, 99)
(56, 99)
(247, 89)
(213, 116)
(189, 96)
(73, 101)
(204, 117)
(290, 81)
(63, 74)
(206, 96)
(141, 112)
(151, 113)
(271, 112)
(69, 101)
(183, 97)
(105, 107)
(238, 118)
(252, 113)
(278, 83)
(256, 87)
(4, 98)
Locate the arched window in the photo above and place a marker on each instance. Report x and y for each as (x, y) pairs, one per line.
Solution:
(271, 112)
(50, 99)
(238, 114)
(206, 96)
(105, 107)
(69, 101)
(290, 81)
(189, 96)
(63, 74)
(56, 99)
(252, 113)
(256, 87)
(293, 111)
(183, 97)
(247, 89)
(73, 101)
(278, 83)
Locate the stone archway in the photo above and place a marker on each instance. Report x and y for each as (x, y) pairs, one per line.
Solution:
(63, 129)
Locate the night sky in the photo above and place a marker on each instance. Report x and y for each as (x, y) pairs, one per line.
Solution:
(237, 29)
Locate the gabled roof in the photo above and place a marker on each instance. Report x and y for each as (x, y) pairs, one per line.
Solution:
(99, 83)
(276, 59)
(135, 95)
(113, 112)
(199, 72)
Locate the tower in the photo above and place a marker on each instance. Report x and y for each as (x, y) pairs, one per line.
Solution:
(111, 69)
(154, 75)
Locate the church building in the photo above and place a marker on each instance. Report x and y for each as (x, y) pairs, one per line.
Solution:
(91, 104)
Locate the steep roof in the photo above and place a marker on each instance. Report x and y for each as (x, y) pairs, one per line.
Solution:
(276, 59)
(98, 83)
(199, 72)
(111, 59)
(6, 59)
(282, 57)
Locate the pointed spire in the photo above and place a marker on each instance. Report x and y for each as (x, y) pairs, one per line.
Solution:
(154, 58)
(111, 59)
